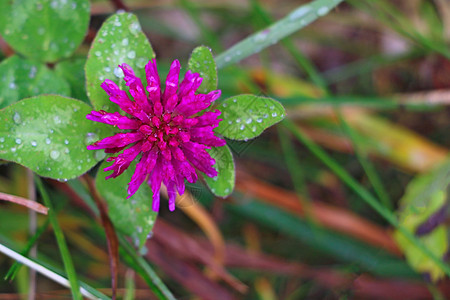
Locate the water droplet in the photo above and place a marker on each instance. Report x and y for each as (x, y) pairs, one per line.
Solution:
(13, 149)
(125, 42)
(227, 58)
(18, 141)
(2, 139)
(54, 154)
(98, 53)
(322, 11)
(265, 116)
(227, 190)
(274, 114)
(99, 154)
(33, 71)
(66, 141)
(12, 85)
(254, 129)
(248, 121)
(230, 122)
(79, 167)
(299, 12)
(66, 150)
(131, 54)
(224, 105)
(33, 143)
(107, 69)
(48, 141)
(17, 118)
(90, 138)
(135, 28)
(242, 127)
(234, 100)
(57, 120)
(118, 72)
(261, 37)
(238, 120)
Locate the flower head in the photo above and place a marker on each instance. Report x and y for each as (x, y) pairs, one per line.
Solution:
(165, 128)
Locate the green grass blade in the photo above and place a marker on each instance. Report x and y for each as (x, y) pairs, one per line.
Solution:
(152, 279)
(368, 167)
(362, 192)
(296, 20)
(67, 260)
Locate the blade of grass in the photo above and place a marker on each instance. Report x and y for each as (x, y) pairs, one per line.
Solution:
(85, 290)
(256, 42)
(152, 279)
(362, 192)
(63, 249)
(361, 155)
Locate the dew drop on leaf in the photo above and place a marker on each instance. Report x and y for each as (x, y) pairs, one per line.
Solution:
(17, 118)
(54, 154)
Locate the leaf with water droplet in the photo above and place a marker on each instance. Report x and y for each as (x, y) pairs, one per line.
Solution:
(73, 72)
(202, 62)
(21, 78)
(44, 30)
(118, 41)
(250, 115)
(51, 149)
(223, 184)
(133, 216)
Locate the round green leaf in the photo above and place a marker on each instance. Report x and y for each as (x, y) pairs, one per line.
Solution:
(247, 116)
(119, 40)
(73, 72)
(202, 62)
(223, 184)
(133, 216)
(49, 134)
(20, 78)
(46, 30)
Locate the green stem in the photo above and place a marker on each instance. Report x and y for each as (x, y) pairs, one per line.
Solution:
(63, 249)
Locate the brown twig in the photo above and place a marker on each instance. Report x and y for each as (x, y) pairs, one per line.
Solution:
(118, 4)
(24, 202)
(111, 237)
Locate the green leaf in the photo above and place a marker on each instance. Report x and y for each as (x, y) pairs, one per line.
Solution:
(44, 30)
(134, 216)
(202, 62)
(21, 78)
(73, 72)
(426, 198)
(49, 134)
(119, 40)
(247, 116)
(223, 184)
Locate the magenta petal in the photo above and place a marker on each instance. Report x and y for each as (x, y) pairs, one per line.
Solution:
(172, 193)
(143, 167)
(171, 81)
(154, 181)
(115, 119)
(123, 161)
(117, 140)
(137, 90)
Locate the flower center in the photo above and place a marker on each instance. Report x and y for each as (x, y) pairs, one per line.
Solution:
(165, 130)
